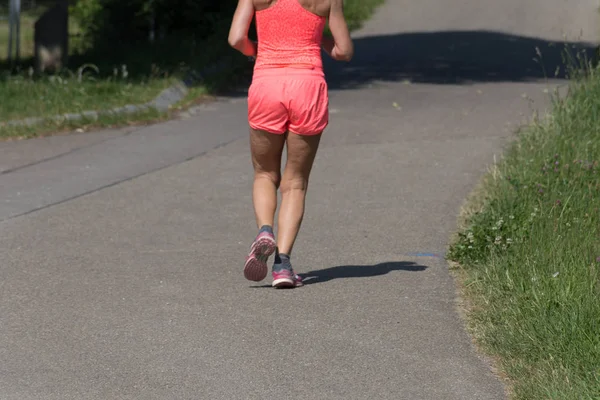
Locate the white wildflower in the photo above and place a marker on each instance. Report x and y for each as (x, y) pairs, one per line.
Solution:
(471, 237)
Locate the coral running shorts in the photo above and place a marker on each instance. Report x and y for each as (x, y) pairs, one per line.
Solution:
(288, 99)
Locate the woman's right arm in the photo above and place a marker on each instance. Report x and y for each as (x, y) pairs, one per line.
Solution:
(340, 47)
(238, 33)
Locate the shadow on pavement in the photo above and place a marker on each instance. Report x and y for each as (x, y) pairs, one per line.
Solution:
(359, 271)
(452, 57)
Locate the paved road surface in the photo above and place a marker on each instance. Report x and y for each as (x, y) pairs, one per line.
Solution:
(122, 251)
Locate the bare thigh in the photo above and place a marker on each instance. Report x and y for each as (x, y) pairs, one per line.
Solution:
(267, 149)
(301, 154)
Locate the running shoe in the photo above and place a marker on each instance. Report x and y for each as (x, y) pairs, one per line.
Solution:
(286, 278)
(256, 268)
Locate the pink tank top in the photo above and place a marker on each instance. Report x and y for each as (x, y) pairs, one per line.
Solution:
(289, 35)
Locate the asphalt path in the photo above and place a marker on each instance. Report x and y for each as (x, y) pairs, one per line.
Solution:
(122, 251)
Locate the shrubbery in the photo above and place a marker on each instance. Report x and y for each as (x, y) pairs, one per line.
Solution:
(104, 21)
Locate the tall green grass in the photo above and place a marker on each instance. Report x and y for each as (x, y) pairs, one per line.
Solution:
(49, 96)
(530, 255)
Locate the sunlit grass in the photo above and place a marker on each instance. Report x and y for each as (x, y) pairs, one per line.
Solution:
(530, 256)
(22, 97)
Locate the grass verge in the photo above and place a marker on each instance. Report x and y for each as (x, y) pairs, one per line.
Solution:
(54, 95)
(105, 120)
(528, 255)
(105, 77)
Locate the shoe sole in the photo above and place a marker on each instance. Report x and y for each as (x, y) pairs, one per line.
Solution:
(286, 283)
(283, 283)
(256, 268)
